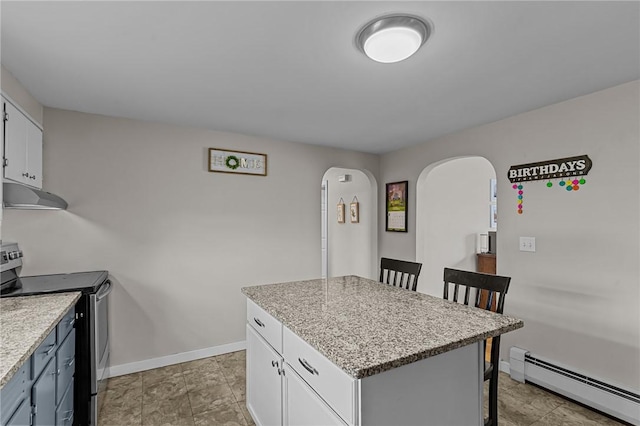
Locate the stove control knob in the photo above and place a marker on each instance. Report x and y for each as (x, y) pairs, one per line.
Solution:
(15, 254)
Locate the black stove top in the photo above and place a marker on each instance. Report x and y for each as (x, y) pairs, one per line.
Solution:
(86, 282)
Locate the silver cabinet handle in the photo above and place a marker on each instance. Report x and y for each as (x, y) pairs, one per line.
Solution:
(72, 322)
(70, 412)
(308, 366)
(51, 348)
(260, 323)
(70, 363)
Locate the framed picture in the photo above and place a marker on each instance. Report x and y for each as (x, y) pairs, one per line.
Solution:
(340, 212)
(493, 191)
(493, 216)
(396, 206)
(354, 212)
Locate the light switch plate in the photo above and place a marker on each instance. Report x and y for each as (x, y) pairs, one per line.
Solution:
(527, 243)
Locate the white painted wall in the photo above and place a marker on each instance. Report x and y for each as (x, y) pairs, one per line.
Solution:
(579, 294)
(452, 208)
(353, 247)
(180, 241)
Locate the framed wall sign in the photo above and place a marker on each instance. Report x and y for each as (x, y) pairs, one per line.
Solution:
(354, 211)
(396, 206)
(242, 163)
(340, 211)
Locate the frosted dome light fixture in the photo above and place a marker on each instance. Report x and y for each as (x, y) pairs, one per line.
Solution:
(392, 38)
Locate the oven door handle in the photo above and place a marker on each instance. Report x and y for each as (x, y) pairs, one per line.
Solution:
(104, 290)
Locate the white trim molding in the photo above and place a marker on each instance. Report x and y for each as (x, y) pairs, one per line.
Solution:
(148, 364)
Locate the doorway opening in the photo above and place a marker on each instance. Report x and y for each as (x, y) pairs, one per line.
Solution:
(456, 202)
(349, 247)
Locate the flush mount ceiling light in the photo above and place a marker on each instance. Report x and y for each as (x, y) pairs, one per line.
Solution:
(393, 38)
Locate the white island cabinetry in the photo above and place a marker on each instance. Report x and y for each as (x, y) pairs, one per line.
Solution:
(276, 395)
(351, 351)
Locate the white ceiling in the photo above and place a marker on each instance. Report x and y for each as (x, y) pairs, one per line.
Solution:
(291, 71)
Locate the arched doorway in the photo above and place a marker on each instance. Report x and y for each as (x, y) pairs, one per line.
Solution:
(349, 248)
(453, 206)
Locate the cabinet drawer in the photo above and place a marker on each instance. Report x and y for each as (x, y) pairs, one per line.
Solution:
(303, 406)
(266, 325)
(66, 324)
(334, 385)
(44, 353)
(65, 365)
(64, 412)
(15, 391)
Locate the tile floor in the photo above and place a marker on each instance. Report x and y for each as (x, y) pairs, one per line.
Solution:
(211, 391)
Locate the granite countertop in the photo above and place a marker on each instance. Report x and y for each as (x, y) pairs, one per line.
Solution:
(366, 327)
(24, 323)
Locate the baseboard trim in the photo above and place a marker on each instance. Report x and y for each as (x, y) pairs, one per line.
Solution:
(148, 364)
(505, 367)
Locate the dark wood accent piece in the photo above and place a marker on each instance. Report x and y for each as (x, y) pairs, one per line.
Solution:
(497, 287)
(400, 273)
(487, 263)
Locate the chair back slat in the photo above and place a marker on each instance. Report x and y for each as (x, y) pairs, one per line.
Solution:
(400, 273)
(495, 285)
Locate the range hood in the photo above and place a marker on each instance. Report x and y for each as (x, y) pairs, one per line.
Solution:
(18, 196)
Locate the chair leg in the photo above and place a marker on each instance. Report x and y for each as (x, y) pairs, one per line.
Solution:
(493, 383)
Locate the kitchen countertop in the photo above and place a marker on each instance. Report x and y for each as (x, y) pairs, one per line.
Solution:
(24, 323)
(366, 327)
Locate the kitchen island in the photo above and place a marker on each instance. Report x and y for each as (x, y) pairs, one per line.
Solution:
(349, 350)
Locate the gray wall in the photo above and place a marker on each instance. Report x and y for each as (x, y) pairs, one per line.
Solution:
(579, 293)
(180, 241)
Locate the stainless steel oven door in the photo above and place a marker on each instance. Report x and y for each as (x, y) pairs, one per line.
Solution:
(99, 335)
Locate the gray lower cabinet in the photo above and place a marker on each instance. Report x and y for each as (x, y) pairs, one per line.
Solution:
(41, 391)
(43, 396)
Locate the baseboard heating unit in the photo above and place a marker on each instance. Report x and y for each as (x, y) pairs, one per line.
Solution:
(607, 398)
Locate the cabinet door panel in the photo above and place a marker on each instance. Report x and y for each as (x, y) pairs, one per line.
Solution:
(264, 384)
(34, 155)
(304, 407)
(44, 396)
(22, 416)
(13, 393)
(65, 361)
(15, 144)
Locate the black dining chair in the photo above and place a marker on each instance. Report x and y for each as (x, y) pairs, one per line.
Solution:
(488, 293)
(400, 273)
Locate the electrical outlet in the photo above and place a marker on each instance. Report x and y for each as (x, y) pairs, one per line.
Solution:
(527, 243)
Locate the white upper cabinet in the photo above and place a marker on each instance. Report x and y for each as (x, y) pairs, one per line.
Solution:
(22, 148)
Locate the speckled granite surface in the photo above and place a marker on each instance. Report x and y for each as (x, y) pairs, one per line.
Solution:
(24, 324)
(365, 327)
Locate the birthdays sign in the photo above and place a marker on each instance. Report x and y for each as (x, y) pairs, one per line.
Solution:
(569, 172)
(552, 169)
